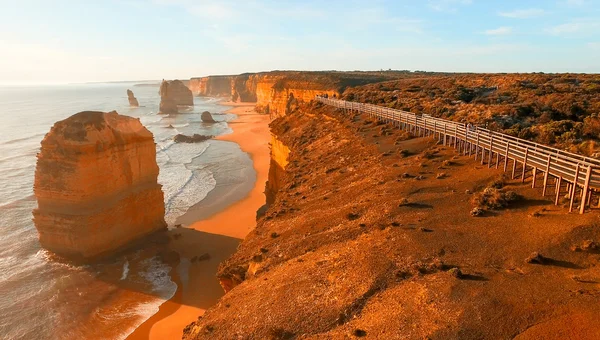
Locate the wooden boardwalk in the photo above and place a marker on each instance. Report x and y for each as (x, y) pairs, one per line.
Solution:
(563, 172)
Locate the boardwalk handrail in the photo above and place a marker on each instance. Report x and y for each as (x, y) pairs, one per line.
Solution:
(565, 166)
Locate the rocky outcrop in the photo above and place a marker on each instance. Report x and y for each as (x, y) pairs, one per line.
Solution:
(133, 102)
(96, 185)
(174, 93)
(196, 138)
(167, 106)
(207, 117)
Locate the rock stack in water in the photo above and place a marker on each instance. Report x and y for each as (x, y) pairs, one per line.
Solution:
(173, 93)
(96, 185)
(133, 102)
(207, 117)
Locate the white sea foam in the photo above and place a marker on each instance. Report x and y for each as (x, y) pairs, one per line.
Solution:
(154, 271)
(150, 119)
(157, 273)
(179, 125)
(143, 311)
(184, 184)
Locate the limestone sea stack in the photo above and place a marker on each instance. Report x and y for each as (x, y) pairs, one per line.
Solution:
(173, 93)
(96, 185)
(133, 102)
(207, 117)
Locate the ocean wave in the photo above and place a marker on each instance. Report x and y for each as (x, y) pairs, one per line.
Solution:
(10, 171)
(21, 139)
(19, 155)
(150, 119)
(182, 153)
(184, 184)
(157, 273)
(16, 201)
(18, 268)
(177, 126)
(143, 311)
(190, 191)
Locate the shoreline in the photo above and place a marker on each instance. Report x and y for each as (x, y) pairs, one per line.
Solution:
(216, 231)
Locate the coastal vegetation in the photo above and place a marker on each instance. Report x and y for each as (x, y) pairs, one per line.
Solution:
(554, 109)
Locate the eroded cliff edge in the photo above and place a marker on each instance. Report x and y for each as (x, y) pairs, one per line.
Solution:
(279, 92)
(96, 185)
(361, 241)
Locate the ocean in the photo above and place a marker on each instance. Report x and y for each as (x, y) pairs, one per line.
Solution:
(41, 298)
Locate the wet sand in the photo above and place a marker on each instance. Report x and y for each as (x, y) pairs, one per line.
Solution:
(216, 232)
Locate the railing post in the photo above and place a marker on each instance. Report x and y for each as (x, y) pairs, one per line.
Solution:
(467, 145)
(574, 187)
(477, 146)
(455, 134)
(546, 176)
(491, 149)
(506, 155)
(444, 134)
(558, 185)
(586, 188)
(482, 154)
(524, 165)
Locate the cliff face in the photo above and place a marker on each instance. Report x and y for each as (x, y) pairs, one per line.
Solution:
(279, 160)
(214, 86)
(96, 185)
(278, 98)
(244, 88)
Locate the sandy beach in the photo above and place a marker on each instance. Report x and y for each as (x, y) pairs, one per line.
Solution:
(215, 230)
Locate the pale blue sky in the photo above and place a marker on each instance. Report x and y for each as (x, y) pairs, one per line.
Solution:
(58, 41)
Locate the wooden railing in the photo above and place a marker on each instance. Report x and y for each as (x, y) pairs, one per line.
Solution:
(574, 172)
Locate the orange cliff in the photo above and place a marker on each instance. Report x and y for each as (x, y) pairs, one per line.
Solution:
(96, 185)
(213, 86)
(278, 92)
(173, 93)
(279, 161)
(278, 96)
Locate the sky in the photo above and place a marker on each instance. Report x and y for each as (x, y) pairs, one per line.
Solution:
(65, 41)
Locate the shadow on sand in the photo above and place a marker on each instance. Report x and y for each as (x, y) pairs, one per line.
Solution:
(196, 278)
(193, 256)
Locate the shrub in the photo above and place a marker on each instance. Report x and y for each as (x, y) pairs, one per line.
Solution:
(525, 111)
(497, 183)
(492, 198)
(591, 126)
